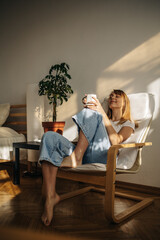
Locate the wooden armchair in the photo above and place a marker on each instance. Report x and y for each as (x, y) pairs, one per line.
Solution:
(129, 162)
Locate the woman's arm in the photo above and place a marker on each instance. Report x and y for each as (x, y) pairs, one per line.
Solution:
(115, 138)
(121, 136)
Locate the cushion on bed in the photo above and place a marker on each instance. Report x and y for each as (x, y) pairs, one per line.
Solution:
(4, 112)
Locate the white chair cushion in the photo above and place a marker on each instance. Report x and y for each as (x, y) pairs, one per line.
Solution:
(140, 105)
(141, 110)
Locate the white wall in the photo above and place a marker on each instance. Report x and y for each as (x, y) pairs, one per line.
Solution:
(107, 43)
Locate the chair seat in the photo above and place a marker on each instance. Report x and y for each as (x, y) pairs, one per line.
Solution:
(97, 169)
(91, 167)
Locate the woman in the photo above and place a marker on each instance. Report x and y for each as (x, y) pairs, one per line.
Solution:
(97, 132)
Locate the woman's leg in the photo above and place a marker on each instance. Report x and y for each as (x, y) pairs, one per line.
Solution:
(75, 159)
(49, 172)
(54, 148)
(91, 124)
(88, 123)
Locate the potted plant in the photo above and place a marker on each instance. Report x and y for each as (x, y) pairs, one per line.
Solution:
(57, 90)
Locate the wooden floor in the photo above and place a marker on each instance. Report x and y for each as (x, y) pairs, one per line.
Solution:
(77, 218)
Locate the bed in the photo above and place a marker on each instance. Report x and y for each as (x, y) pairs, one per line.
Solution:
(12, 129)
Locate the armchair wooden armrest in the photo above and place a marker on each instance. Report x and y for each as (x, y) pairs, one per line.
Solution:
(113, 151)
(131, 145)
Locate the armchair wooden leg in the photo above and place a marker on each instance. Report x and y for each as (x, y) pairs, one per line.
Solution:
(75, 193)
(109, 208)
(110, 193)
(109, 203)
(142, 203)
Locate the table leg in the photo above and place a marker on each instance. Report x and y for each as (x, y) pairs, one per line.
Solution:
(16, 171)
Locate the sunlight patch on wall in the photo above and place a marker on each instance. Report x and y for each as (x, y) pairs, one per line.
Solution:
(67, 109)
(71, 133)
(132, 69)
(146, 55)
(35, 112)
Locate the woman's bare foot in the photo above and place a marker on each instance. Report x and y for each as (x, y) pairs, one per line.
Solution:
(48, 209)
(71, 161)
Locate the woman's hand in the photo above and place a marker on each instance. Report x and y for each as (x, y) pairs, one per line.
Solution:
(96, 106)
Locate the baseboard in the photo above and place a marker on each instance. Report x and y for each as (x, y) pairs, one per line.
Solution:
(138, 187)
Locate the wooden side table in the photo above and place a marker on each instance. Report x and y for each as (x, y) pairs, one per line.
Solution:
(16, 168)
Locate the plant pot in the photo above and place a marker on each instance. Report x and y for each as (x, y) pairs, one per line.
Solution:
(53, 126)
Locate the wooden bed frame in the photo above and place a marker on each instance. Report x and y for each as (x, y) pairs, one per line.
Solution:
(17, 119)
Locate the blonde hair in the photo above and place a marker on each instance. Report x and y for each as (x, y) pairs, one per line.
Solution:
(126, 111)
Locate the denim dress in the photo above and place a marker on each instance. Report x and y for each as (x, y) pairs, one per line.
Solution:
(55, 147)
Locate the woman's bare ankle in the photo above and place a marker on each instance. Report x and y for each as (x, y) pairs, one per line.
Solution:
(52, 196)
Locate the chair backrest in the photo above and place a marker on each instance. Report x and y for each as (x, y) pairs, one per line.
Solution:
(142, 108)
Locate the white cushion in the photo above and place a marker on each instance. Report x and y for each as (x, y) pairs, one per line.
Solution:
(7, 137)
(6, 132)
(4, 112)
(89, 167)
(140, 105)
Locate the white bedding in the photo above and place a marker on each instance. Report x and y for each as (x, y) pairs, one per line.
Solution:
(7, 137)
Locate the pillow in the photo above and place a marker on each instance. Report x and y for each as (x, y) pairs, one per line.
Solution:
(6, 132)
(4, 112)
